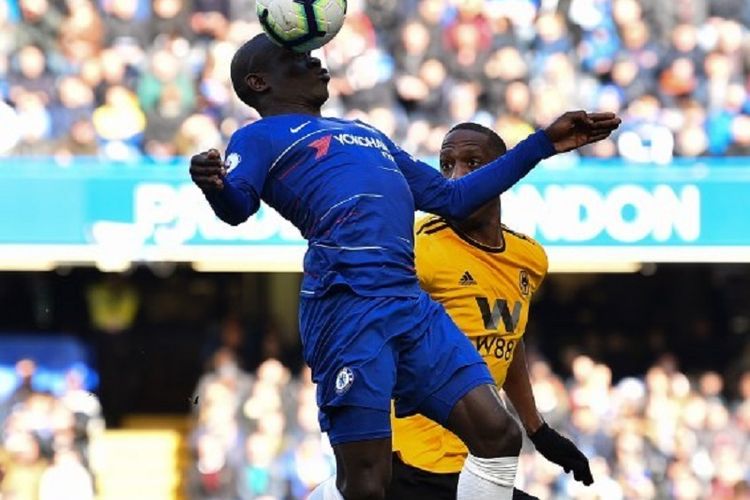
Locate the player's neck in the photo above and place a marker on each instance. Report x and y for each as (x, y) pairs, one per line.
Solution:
(486, 230)
(290, 108)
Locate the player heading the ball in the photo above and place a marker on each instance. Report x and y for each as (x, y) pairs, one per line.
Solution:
(369, 333)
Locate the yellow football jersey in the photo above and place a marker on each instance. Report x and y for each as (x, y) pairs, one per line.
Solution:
(487, 292)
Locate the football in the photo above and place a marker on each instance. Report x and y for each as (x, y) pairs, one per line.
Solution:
(301, 25)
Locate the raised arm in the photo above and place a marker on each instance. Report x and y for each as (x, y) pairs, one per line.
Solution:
(457, 199)
(229, 202)
(232, 187)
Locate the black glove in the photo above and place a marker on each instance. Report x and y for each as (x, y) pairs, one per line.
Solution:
(522, 495)
(563, 452)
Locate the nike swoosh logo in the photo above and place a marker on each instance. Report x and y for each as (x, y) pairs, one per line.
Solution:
(297, 129)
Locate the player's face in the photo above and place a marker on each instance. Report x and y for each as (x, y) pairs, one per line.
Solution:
(298, 77)
(462, 152)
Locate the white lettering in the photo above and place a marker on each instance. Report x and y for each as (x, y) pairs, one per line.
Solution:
(684, 210)
(175, 215)
(165, 214)
(622, 227)
(627, 213)
(360, 140)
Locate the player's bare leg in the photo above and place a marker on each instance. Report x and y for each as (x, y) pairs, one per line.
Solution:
(494, 441)
(363, 471)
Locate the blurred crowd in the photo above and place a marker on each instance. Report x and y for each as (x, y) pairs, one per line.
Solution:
(44, 439)
(120, 79)
(665, 435)
(256, 436)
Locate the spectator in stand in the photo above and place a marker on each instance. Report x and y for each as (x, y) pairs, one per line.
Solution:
(504, 67)
(684, 43)
(691, 141)
(552, 37)
(406, 58)
(44, 445)
(309, 464)
(212, 477)
(678, 80)
(467, 41)
(112, 69)
(210, 18)
(740, 136)
(8, 36)
(23, 467)
(66, 478)
(119, 123)
(86, 411)
(35, 123)
(170, 19)
(25, 370)
(261, 473)
(413, 48)
(214, 86)
(33, 75)
(9, 128)
(81, 35)
(197, 131)
(463, 105)
(75, 102)
(719, 120)
(225, 370)
(123, 24)
(165, 74)
(40, 23)
(80, 140)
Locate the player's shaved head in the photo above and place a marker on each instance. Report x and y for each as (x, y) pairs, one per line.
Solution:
(275, 80)
(494, 141)
(254, 56)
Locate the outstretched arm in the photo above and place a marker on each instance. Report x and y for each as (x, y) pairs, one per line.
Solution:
(457, 199)
(553, 446)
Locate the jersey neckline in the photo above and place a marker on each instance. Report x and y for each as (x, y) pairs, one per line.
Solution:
(481, 246)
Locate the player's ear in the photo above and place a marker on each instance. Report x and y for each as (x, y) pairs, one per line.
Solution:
(256, 82)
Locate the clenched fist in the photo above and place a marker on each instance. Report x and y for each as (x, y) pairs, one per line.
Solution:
(207, 170)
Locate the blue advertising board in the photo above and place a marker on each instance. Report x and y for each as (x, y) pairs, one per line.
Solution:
(93, 212)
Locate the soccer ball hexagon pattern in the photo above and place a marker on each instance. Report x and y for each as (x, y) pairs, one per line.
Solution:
(301, 25)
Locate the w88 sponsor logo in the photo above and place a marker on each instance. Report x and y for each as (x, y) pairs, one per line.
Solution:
(494, 345)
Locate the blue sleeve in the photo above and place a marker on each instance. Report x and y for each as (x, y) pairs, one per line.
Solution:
(248, 158)
(457, 199)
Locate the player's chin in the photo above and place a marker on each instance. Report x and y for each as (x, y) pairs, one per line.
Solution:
(321, 94)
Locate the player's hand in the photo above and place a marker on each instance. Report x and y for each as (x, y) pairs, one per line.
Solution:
(560, 450)
(578, 128)
(207, 170)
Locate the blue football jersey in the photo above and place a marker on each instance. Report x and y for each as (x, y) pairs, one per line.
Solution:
(352, 193)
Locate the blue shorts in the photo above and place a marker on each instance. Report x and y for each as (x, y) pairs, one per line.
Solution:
(365, 351)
